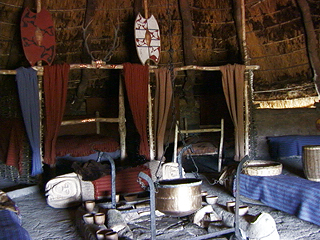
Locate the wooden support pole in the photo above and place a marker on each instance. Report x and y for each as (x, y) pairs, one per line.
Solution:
(150, 124)
(240, 22)
(120, 66)
(87, 120)
(176, 133)
(122, 121)
(98, 130)
(311, 42)
(40, 84)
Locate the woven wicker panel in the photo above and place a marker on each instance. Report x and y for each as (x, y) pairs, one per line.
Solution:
(262, 168)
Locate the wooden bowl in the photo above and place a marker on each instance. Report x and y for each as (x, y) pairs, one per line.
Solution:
(211, 199)
(242, 210)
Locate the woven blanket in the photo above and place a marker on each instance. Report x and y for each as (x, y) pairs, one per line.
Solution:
(12, 138)
(126, 182)
(84, 145)
(291, 145)
(291, 194)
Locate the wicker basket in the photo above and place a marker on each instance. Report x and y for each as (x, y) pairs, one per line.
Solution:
(262, 168)
(311, 162)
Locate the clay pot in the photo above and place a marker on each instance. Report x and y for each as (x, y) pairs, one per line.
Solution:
(89, 205)
(88, 218)
(99, 218)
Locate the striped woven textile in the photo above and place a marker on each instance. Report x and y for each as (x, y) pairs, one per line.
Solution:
(291, 194)
(127, 181)
(290, 145)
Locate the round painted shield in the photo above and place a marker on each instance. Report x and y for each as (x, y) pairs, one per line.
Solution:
(147, 38)
(38, 36)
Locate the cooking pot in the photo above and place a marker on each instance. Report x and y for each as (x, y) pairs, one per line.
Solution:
(178, 197)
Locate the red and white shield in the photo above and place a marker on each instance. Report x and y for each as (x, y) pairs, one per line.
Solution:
(147, 37)
(38, 36)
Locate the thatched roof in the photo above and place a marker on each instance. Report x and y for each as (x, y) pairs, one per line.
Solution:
(275, 37)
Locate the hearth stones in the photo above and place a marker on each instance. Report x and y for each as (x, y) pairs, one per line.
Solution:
(68, 190)
(63, 191)
(263, 227)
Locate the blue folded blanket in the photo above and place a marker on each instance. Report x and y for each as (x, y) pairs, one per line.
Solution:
(291, 194)
(10, 227)
(290, 145)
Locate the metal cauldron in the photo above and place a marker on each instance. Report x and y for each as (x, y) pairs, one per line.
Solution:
(178, 197)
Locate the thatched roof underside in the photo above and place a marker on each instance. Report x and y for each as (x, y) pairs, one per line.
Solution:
(275, 38)
(308, 102)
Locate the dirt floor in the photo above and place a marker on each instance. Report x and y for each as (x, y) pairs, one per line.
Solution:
(44, 223)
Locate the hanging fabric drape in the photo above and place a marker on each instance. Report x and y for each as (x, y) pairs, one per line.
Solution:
(162, 103)
(28, 90)
(136, 80)
(233, 88)
(55, 85)
(17, 140)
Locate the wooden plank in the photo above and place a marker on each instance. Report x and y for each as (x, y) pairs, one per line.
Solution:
(120, 66)
(87, 120)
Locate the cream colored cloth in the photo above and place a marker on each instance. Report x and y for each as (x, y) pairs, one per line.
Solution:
(233, 88)
(162, 103)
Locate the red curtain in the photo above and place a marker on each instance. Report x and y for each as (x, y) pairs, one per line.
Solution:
(55, 84)
(136, 80)
(12, 140)
(233, 88)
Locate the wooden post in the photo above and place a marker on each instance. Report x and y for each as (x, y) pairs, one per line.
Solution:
(145, 2)
(246, 79)
(150, 125)
(240, 22)
(40, 80)
(176, 131)
(150, 115)
(122, 121)
(98, 129)
(311, 42)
